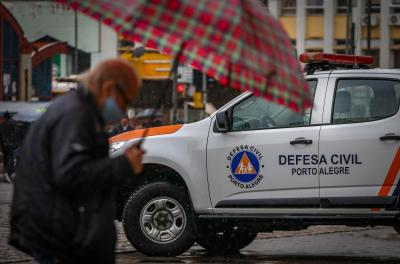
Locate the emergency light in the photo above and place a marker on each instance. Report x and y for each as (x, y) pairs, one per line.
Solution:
(318, 57)
(328, 61)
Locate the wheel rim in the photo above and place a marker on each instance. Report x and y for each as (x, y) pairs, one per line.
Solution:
(163, 219)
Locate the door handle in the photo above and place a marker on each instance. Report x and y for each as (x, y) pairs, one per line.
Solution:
(301, 141)
(390, 137)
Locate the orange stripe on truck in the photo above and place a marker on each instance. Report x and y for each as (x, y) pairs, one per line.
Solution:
(391, 175)
(390, 178)
(153, 131)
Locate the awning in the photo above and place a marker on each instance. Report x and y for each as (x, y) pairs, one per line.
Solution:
(46, 50)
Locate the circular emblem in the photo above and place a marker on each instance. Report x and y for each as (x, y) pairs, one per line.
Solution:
(245, 166)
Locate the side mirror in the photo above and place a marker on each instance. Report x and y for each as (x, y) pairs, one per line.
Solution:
(223, 121)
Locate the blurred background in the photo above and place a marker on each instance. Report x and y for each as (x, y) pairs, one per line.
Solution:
(45, 46)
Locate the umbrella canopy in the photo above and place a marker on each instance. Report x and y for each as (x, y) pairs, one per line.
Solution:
(235, 41)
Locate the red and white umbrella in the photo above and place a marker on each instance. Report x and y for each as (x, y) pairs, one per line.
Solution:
(237, 42)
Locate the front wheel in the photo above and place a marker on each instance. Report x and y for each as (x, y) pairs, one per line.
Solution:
(226, 239)
(158, 220)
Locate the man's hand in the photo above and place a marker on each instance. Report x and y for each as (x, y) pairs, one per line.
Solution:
(135, 156)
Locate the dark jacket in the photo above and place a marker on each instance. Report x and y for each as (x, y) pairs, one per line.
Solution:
(64, 198)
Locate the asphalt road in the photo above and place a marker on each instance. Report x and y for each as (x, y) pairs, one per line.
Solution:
(378, 245)
(5, 192)
(327, 245)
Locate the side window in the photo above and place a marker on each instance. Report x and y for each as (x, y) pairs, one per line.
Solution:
(365, 100)
(257, 113)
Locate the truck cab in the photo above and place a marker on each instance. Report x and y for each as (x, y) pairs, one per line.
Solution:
(257, 166)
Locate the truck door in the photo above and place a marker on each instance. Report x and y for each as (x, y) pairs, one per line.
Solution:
(360, 142)
(268, 159)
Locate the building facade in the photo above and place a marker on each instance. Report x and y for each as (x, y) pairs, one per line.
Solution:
(321, 25)
(12, 45)
(44, 68)
(26, 68)
(40, 40)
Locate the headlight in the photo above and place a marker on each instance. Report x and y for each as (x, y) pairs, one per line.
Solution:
(116, 146)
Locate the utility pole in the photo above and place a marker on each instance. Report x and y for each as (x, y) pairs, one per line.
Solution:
(369, 27)
(204, 90)
(76, 44)
(174, 96)
(353, 37)
(349, 29)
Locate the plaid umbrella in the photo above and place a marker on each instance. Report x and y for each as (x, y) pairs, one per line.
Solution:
(235, 41)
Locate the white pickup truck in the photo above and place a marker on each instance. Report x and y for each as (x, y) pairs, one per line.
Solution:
(257, 166)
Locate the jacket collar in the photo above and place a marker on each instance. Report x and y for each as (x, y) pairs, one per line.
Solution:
(88, 97)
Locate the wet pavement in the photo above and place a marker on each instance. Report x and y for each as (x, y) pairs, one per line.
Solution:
(377, 245)
(246, 259)
(319, 244)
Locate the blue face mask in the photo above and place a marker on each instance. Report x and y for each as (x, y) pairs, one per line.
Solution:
(111, 111)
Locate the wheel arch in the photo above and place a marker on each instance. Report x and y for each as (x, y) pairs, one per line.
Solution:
(152, 172)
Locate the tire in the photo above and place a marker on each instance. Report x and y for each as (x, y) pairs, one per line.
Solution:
(158, 220)
(227, 239)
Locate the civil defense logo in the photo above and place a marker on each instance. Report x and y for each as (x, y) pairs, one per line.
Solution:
(245, 164)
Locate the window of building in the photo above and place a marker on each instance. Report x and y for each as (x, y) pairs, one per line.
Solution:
(375, 6)
(314, 3)
(395, 3)
(395, 7)
(288, 7)
(10, 60)
(395, 10)
(340, 51)
(341, 46)
(41, 79)
(365, 100)
(396, 59)
(315, 49)
(257, 113)
(342, 6)
(341, 42)
(315, 7)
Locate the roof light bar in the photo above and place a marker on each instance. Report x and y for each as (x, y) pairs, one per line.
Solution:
(321, 57)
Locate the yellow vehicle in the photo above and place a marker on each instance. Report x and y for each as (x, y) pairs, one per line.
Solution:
(150, 63)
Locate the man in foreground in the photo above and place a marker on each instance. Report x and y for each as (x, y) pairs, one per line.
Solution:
(64, 206)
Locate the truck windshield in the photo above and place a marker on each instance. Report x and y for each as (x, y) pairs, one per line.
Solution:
(257, 113)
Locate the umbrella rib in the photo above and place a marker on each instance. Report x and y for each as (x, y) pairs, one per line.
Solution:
(160, 99)
(229, 74)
